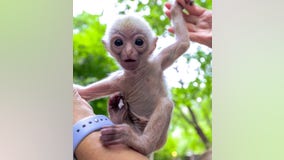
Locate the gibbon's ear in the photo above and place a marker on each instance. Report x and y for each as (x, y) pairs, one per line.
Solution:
(154, 44)
(107, 47)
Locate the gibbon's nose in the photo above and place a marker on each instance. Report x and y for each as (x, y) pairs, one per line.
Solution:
(129, 50)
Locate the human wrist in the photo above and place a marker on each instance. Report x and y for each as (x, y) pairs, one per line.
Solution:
(81, 112)
(87, 125)
(81, 109)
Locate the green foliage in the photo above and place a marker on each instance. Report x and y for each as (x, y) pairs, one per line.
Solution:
(153, 13)
(89, 53)
(192, 117)
(204, 3)
(192, 109)
(156, 18)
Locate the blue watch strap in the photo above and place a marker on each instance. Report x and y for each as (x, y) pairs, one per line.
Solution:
(88, 125)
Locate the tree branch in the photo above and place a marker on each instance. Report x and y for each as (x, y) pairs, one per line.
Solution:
(198, 129)
(185, 117)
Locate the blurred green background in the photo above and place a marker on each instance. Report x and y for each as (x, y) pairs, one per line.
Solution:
(190, 130)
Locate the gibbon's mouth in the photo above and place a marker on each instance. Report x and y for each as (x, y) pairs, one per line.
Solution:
(129, 60)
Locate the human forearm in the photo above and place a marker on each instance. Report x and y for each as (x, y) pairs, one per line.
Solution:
(91, 148)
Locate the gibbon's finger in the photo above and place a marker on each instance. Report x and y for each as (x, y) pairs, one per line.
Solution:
(112, 142)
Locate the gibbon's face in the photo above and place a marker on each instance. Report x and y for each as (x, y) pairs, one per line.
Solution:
(129, 48)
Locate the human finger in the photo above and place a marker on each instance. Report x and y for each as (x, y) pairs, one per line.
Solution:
(75, 92)
(168, 5)
(201, 38)
(191, 27)
(171, 30)
(190, 18)
(194, 36)
(81, 108)
(195, 10)
(168, 14)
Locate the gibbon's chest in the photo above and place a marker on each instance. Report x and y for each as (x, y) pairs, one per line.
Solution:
(142, 91)
(142, 85)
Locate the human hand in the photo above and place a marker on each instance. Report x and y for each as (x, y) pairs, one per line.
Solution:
(91, 147)
(81, 108)
(198, 22)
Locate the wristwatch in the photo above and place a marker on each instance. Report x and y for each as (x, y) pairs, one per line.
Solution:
(88, 125)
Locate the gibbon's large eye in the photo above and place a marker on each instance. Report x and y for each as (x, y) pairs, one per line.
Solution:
(139, 42)
(118, 42)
